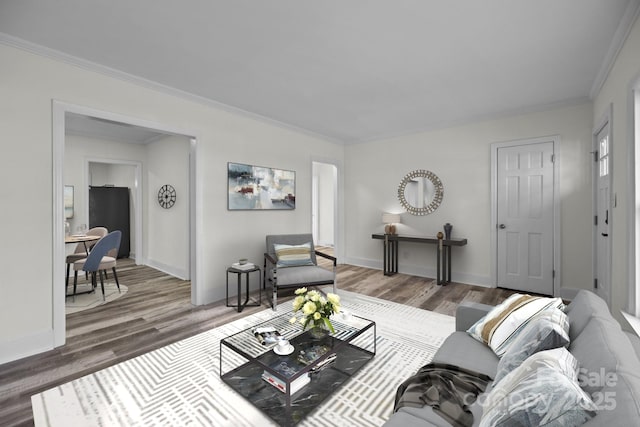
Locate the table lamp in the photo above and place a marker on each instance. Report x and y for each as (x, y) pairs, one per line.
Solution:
(390, 220)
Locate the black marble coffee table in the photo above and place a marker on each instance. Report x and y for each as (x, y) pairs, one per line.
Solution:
(247, 365)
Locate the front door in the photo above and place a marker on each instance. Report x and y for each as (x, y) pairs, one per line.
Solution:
(602, 252)
(525, 217)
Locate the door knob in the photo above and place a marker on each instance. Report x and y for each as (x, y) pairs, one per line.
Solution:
(502, 226)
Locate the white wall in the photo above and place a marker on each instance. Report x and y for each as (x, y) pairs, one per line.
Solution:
(460, 156)
(166, 231)
(29, 83)
(616, 91)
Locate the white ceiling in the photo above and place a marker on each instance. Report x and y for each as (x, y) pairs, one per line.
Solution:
(78, 124)
(351, 71)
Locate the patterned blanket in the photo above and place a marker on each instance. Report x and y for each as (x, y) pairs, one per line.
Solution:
(448, 389)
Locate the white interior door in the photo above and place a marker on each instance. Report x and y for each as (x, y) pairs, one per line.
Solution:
(525, 217)
(602, 182)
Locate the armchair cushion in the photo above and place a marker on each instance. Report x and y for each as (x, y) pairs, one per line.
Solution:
(293, 255)
(304, 275)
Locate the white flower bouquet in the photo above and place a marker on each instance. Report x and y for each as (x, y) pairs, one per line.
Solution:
(314, 309)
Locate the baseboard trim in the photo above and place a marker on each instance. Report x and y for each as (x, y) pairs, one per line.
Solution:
(180, 273)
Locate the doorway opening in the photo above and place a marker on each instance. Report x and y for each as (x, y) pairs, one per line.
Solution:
(324, 205)
(63, 119)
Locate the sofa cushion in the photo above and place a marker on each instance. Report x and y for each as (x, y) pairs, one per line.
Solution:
(635, 342)
(500, 326)
(416, 417)
(602, 348)
(460, 349)
(619, 401)
(408, 417)
(293, 255)
(582, 307)
(547, 330)
(542, 391)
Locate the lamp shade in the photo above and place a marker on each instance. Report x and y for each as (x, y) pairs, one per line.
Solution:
(389, 218)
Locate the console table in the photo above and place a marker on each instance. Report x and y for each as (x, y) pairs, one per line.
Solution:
(390, 253)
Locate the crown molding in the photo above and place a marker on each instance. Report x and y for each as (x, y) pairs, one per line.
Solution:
(620, 36)
(57, 55)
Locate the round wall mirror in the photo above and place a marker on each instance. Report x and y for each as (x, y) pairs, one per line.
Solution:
(420, 192)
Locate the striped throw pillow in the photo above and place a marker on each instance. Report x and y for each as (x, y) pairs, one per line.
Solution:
(501, 325)
(293, 255)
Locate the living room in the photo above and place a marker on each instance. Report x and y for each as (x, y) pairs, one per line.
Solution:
(39, 83)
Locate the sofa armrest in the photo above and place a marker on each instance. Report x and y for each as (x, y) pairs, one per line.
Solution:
(469, 313)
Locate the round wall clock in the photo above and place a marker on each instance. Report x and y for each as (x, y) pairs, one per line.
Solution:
(167, 196)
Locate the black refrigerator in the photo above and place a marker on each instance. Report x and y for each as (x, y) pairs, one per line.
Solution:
(109, 207)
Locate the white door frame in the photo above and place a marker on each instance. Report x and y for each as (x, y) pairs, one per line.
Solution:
(493, 226)
(59, 110)
(605, 120)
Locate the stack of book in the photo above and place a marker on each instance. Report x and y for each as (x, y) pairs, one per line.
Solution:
(246, 266)
(287, 370)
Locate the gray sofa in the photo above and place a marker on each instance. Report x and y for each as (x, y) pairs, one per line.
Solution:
(597, 342)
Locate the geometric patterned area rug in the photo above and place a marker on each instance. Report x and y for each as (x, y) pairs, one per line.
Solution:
(94, 299)
(179, 384)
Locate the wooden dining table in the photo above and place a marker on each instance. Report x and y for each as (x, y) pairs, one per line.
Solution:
(81, 238)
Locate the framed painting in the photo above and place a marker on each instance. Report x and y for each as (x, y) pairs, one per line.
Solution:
(260, 188)
(68, 201)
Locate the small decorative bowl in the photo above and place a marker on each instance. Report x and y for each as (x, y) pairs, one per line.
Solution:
(242, 261)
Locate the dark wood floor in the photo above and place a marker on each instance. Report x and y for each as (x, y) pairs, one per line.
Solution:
(157, 311)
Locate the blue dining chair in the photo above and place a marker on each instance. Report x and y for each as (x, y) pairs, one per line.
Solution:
(99, 260)
(82, 249)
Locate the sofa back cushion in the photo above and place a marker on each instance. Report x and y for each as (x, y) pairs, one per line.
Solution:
(602, 348)
(618, 401)
(580, 310)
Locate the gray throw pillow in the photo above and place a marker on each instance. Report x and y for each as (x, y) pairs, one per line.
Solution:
(547, 330)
